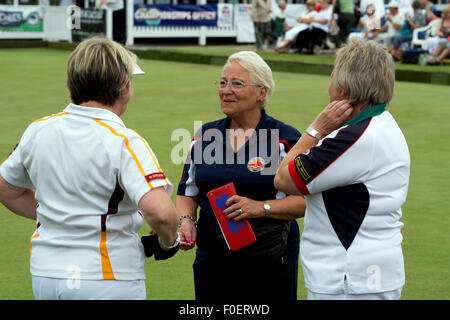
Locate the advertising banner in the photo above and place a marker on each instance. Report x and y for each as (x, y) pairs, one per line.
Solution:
(244, 24)
(175, 15)
(92, 22)
(225, 15)
(21, 19)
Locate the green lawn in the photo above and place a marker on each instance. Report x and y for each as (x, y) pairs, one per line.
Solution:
(174, 95)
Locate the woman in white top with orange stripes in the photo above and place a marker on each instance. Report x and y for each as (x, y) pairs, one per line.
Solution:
(90, 182)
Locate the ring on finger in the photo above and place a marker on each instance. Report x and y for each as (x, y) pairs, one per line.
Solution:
(239, 212)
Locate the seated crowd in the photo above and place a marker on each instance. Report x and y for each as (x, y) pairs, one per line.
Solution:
(392, 25)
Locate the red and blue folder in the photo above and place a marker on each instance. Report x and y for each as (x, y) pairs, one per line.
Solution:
(237, 234)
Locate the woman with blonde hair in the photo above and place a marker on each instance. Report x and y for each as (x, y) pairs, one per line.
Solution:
(353, 169)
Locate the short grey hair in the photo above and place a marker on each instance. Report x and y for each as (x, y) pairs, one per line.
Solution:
(259, 70)
(365, 73)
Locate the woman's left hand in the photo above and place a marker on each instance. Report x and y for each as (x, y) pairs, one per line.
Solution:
(243, 208)
(332, 117)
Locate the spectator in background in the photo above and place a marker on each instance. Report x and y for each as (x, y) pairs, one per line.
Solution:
(405, 7)
(345, 20)
(429, 13)
(303, 23)
(380, 10)
(437, 33)
(278, 24)
(417, 21)
(394, 22)
(261, 19)
(319, 31)
(369, 24)
(279, 12)
(443, 31)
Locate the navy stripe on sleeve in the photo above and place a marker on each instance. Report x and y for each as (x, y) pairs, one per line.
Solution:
(309, 166)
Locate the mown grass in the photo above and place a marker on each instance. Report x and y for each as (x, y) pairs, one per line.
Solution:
(174, 95)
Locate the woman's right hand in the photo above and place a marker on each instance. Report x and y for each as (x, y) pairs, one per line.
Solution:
(188, 234)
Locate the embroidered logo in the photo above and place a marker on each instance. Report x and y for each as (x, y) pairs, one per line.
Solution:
(301, 169)
(154, 176)
(256, 164)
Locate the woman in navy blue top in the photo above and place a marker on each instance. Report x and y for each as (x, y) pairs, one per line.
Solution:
(245, 148)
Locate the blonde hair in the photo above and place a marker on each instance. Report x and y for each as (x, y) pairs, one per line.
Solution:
(365, 73)
(310, 2)
(259, 70)
(99, 69)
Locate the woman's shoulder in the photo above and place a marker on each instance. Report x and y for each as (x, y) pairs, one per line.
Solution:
(285, 130)
(214, 123)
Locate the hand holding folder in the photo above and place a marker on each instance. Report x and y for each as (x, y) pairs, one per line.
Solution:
(237, 234)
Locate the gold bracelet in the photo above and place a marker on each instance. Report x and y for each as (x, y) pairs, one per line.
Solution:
(188, 216)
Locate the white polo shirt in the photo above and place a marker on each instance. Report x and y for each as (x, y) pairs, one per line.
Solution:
(355, 181)
(324, 14)
(399, 18)
(89, 172)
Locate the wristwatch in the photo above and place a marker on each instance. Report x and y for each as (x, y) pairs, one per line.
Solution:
(313, 133)
(176, 243)
(266, 208)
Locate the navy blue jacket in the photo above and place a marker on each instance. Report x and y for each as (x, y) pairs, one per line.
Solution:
(252, 170)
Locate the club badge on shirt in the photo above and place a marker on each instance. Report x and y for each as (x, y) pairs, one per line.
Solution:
(156, 175)
(256, 164)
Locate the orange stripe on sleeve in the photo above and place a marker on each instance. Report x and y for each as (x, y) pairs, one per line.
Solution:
(128, 147)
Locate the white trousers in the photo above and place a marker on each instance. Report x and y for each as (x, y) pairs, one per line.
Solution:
(386, 295)
(292, 33)
(70, 289)
(385, 39)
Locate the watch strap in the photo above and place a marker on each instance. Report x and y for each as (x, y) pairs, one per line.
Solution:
(313, 133)
(175, 244)
(266, 208)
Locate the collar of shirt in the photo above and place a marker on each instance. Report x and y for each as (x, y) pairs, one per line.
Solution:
(262, 124)
(94, 113)
(368, 113)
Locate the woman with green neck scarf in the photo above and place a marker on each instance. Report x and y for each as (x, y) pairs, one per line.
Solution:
(353, 169)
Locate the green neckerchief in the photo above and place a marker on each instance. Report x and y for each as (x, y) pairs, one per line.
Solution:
(368, 113)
